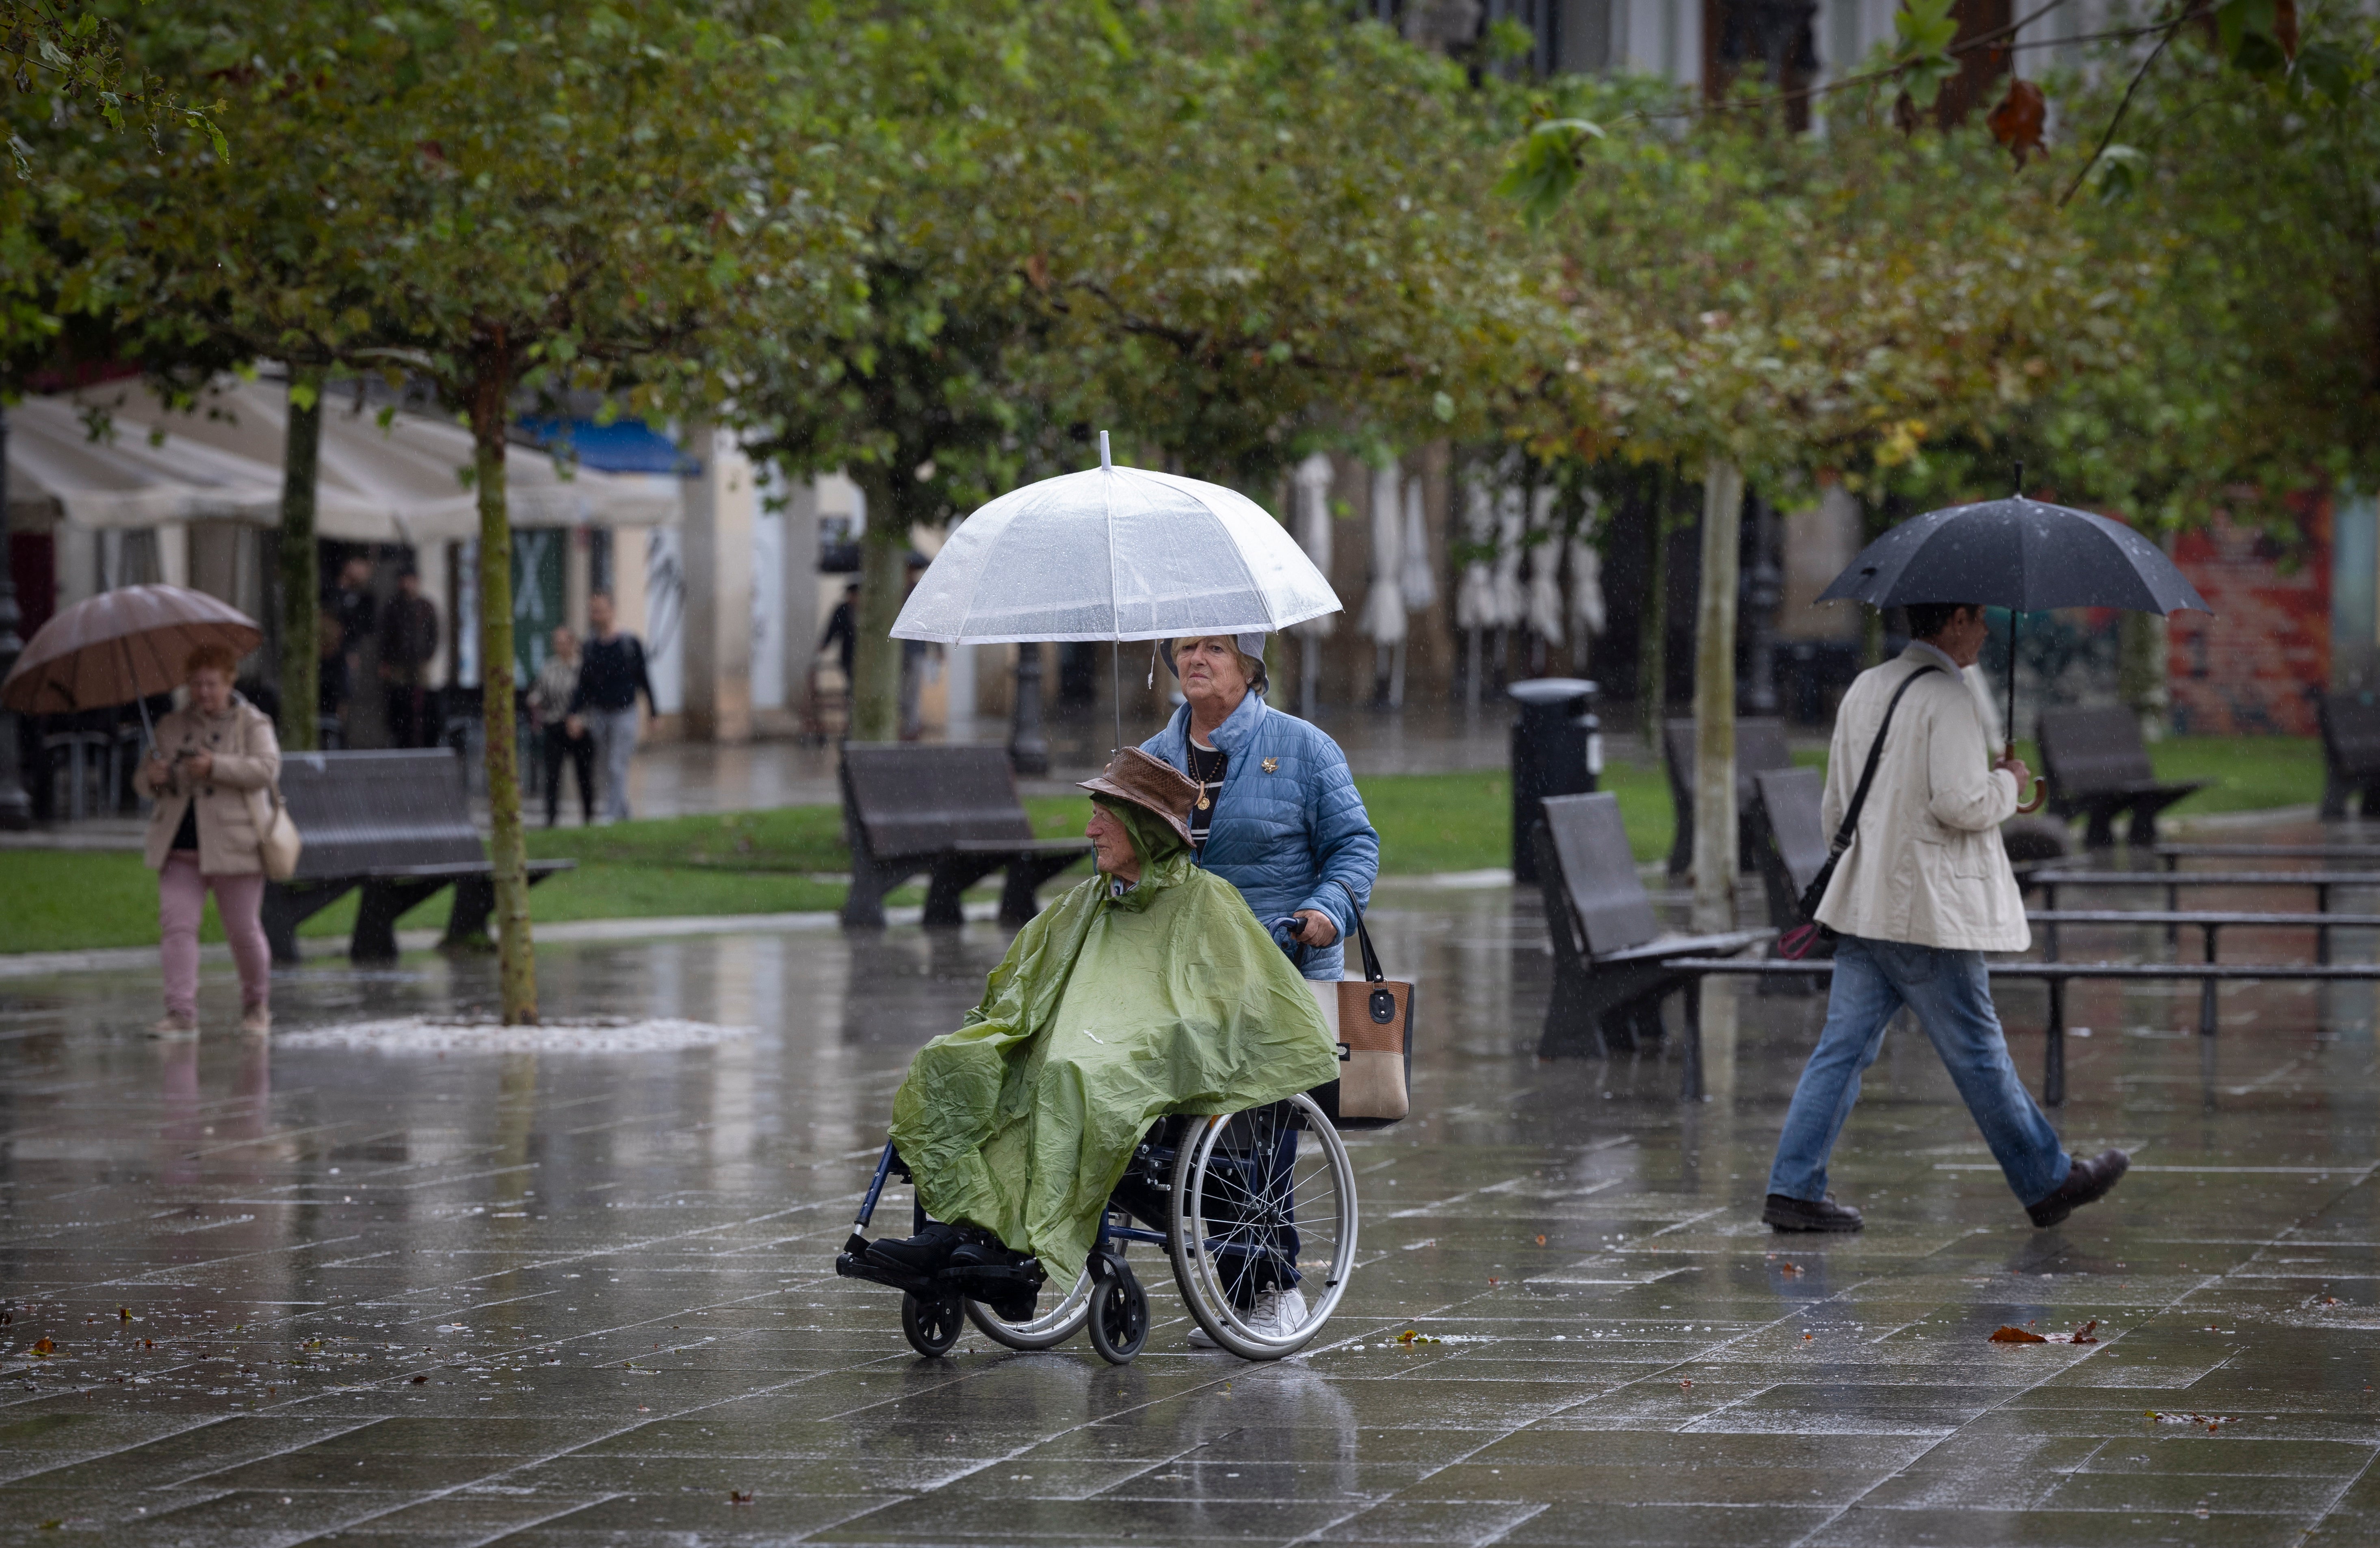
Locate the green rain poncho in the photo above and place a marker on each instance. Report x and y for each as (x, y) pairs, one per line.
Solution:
(1107, 1014)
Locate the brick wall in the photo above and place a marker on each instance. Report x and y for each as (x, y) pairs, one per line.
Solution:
(2255, 666)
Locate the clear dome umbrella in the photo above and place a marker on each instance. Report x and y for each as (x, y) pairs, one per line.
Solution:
(1115, 553)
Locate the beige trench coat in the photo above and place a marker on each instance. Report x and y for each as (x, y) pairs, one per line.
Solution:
(1927, 866)
(234, 802)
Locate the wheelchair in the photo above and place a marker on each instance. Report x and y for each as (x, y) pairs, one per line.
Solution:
(1241, 1203)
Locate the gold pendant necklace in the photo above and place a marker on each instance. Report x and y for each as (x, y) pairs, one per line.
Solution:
(1204, 801)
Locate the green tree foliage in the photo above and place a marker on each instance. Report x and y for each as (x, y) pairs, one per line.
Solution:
(2253, 381)
(499, 200)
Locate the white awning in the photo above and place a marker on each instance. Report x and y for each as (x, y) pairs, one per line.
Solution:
(406, 482)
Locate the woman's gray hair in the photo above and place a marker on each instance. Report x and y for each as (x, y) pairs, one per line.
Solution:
(1249, 646)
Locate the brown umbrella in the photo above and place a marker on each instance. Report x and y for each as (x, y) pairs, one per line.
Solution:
(121, 645)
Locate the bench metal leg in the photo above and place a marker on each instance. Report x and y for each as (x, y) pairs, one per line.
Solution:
(383, 904)
(944, 883)
(2053, 1052)
(281, 915)
(2322, 933)
(466, 921)
(286, 907)
(863, 906)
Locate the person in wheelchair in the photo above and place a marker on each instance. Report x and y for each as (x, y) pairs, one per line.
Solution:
(1150, 989)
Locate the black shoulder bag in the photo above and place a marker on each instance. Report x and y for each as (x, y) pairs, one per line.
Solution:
(1810, 938)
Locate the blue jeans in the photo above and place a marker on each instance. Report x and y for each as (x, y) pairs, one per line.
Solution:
(615, 743)
(1952, 996)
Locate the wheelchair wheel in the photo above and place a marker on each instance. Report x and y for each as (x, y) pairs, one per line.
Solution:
(1119, 1316)
(1262, 1200)
(931, 1326)
(1046, 1330)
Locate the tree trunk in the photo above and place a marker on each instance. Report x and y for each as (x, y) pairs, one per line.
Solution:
(1716, 858)
(883, 579)
(507, 848)
(1653, 649)
(301, 581)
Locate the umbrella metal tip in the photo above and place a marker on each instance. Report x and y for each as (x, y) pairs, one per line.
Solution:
(1104, 462)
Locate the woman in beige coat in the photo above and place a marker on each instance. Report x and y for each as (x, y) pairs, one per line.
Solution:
(210, 772)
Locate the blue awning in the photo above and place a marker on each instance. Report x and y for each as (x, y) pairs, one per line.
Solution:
(622, 446)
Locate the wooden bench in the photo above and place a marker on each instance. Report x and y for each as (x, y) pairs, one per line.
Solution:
(2350, 752)
(1612, 964)
(949, 813)
(397, 825)
(1759, 745)
(2098, 769)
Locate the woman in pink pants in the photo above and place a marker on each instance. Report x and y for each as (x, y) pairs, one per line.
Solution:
(211, 772)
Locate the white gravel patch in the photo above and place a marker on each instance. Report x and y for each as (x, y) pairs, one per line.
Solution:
(584, 1035)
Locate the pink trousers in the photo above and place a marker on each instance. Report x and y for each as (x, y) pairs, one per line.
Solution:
(181, 900)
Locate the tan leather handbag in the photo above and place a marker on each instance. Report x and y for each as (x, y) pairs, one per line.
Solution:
(278, 845)
(1375, 1029)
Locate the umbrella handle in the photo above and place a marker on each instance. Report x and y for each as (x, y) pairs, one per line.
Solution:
(2040, 788)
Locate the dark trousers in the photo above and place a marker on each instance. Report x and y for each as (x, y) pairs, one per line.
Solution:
(411, 720)
(580, 750)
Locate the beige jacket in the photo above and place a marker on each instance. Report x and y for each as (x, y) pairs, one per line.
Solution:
(234, 802)
(1926, 866)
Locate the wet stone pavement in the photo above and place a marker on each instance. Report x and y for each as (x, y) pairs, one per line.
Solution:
(302, 1293)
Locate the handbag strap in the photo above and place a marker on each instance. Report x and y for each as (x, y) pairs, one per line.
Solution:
(1372, 972)
(1844, 834)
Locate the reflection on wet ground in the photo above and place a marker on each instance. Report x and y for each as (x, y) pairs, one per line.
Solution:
(392, 1298)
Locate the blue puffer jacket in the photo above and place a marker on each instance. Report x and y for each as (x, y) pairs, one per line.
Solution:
(1283, 835)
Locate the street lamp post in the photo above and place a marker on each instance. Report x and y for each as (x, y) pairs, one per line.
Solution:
(16, 807)
(1029, 749)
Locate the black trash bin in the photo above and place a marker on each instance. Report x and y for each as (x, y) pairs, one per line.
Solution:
(1556, 750)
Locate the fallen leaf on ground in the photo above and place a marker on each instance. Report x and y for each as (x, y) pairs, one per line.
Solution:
(43, 1345)
(124, 1314)
(2079, 1336)
(418, 1380)
(1413, 1335)
(1790, 1270)
(2017, 1335)
(736, 1499)
(1541, 1238)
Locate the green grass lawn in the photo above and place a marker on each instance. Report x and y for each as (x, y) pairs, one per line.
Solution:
(783, 860)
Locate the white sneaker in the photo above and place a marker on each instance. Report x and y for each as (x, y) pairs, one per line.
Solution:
(1200, 1338)
(1279, 1314)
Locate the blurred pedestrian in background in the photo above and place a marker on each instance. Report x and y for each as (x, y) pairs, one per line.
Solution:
(210, 771)
(610, 675)
(549, 710)
(408, 640)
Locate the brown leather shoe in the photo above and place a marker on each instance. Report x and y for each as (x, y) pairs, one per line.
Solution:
(2085, 1181)
(1811, 1215)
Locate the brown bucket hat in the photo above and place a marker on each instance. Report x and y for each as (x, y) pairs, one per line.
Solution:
(1151, 784)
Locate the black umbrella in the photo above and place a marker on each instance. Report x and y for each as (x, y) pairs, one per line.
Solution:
(2024, 555)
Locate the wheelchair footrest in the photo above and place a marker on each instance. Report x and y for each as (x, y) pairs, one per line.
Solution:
(985, 1284)
(852, 1265)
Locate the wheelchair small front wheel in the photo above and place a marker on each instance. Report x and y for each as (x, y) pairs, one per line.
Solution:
(1045, 1330)
(1119, 1319)
(931, 1326)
